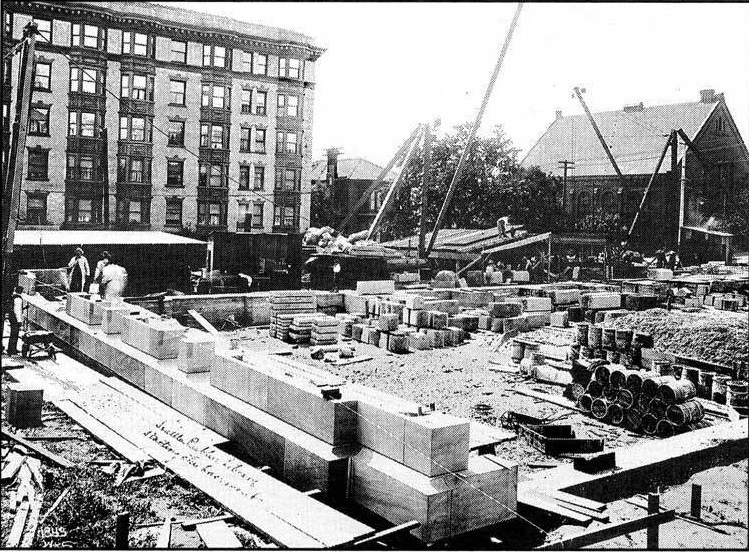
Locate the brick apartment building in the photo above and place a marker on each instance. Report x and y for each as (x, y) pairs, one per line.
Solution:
(636, 136)
(152, 117)
(349, 179)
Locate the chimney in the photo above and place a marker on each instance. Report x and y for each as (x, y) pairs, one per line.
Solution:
(707, 95)
(332, 173)
(634, 108)
(559, 114)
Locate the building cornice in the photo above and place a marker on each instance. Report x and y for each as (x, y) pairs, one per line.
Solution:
(75, 11)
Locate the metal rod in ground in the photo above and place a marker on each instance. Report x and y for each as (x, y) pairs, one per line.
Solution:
(122, 530)
(654, 507)
(696, 504)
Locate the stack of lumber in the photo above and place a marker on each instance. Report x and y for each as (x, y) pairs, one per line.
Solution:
(375, 287)
(300, 329)
(155, 336)
(285, 304)
(346, 323)
(23, 405)
(324, 330)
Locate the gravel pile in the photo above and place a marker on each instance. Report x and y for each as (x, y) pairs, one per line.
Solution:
(707, 335)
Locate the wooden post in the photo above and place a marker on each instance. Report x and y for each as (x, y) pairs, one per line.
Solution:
(653, 508)
(696, 506)
(122, 530)
(427, 164)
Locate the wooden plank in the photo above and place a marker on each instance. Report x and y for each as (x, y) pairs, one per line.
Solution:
(485, 435)
(200, 319)
(553, 399)
(353, 360)
(32, 522)
(165, 533)
(577, 500)
(193, 522)
(10, 469)
(608, 532)
(19, 522)
(105, 434)
(41, 451)
(538, 501)
(385, 533)
(216, 534)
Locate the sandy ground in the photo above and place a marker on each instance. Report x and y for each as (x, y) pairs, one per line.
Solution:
(457, 378)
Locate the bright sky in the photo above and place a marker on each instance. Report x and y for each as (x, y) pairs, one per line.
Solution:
(389, 66)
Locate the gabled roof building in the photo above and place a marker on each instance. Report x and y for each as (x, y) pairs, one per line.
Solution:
(636, 136)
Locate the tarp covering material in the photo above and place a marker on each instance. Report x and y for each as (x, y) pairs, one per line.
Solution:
(98, 237)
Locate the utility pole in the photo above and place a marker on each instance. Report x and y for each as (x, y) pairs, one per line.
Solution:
(427, 163)
(676, 178)
(12, 185)
(565, 165)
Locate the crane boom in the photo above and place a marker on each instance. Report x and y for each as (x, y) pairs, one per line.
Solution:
(598, 133)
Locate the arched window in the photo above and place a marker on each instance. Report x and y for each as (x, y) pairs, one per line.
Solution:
(609, 203)
(584, 204)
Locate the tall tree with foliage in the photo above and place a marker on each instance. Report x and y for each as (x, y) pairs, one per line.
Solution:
(492, 185)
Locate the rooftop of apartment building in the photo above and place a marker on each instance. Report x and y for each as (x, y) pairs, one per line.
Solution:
(194, 20)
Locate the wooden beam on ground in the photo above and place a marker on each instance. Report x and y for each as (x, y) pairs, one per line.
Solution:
(608, 532)
(217, 534)
(380, 535)
(553, 399)
(41, 451)
(200, 319)
(165, 533)
(354, 360)
(19, 522)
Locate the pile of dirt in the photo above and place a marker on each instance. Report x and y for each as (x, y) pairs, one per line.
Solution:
(708, 335)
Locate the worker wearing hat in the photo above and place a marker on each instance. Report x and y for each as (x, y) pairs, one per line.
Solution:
(78, 271)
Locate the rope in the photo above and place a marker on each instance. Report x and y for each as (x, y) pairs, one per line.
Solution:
(457, 475)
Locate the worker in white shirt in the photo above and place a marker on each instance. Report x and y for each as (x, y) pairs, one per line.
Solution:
(78, 271)
(16, 319)
(99, 272)
(113, 281)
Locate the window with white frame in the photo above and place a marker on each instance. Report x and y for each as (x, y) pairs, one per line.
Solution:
(244, 139)
(247, 62)
(214, 56)
(259, 99)
(43, 76)
(288, 105)
(258, 182)
(44, 29)
(244, 177)
(257, 214)
(39, 120)
(259, 140)
(177, 92)
(86, 36)
(286, 142)
(289, 68)
(179, 51)
(245, 102)
(260, 64)
(173, 211)
(135, 43)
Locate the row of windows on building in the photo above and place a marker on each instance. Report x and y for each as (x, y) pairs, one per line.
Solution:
(137, 211)
(140, 129)
(137, 170)
(142, 44)
(141, 87)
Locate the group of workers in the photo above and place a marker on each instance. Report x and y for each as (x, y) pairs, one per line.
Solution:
(109, 281)
(109, 278)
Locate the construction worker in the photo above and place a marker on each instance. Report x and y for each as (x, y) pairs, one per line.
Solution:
(113, 281)
(103, 261)
(78, 271)
(16, 319)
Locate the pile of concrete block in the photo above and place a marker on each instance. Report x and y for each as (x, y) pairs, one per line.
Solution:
(23, 406)
(153, 335)
(346, 322)
(86, 307)
(375, 287)
(727, 301)
(300, 329)
(324, 330)
(195, 352)
(284, 305)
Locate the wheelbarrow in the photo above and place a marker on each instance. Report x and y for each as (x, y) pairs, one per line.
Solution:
(38, 342)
